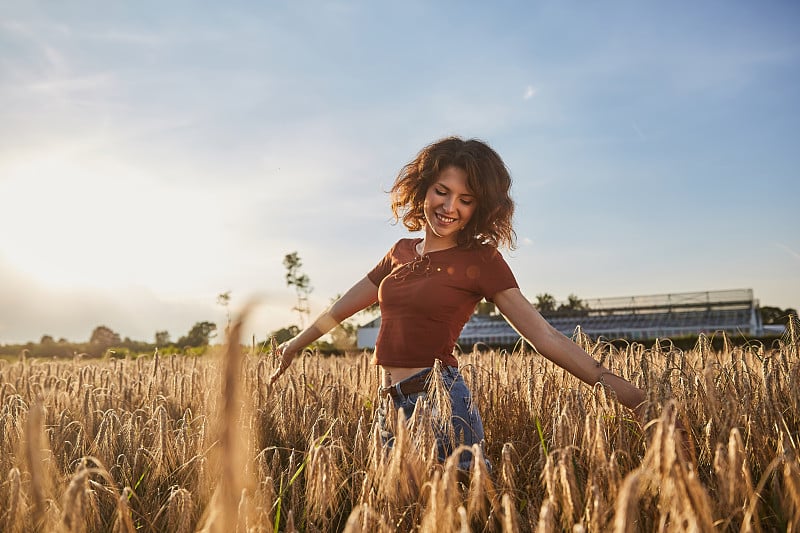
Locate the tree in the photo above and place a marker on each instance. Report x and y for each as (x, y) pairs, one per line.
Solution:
(199, 335)
(284, 334)
(47, 339)
(345, 336)
(776, 315)
(162, 338)
(224, 299)
(302, 285)
(104, 337)
(545, 303)
(573, 304)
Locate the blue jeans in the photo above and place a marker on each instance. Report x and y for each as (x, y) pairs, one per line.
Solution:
(466, 421)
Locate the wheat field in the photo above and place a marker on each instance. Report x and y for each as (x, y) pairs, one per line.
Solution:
(205, 444)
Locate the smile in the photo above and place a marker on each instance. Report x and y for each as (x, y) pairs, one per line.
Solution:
(445, 220)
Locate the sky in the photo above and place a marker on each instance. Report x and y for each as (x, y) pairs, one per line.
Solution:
(154, 155)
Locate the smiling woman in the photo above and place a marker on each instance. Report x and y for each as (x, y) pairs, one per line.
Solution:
(458, 192)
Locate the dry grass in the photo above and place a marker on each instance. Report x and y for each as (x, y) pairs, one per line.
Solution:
(185, 444)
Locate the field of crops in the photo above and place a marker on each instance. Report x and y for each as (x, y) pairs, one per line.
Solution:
(204, 443)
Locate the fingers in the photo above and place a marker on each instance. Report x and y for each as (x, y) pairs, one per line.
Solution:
(275, 375)
(283, 366)
(286, 358)
(278, 373)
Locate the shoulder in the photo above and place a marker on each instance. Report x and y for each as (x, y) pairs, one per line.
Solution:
(403, 247)
(405, 243)
(402, 251)
(485, 252)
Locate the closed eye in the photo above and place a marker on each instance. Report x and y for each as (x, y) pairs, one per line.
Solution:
(444, 192)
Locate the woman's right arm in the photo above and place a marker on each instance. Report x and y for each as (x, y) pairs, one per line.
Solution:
(361, 295)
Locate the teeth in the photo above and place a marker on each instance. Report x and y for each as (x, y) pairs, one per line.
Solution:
(445, 219)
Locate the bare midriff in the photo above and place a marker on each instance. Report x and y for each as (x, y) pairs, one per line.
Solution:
(392, 374)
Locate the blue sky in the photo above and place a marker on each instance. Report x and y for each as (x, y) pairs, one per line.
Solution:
(156, 154)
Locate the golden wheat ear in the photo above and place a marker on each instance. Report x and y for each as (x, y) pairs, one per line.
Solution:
(441, 404)
(33, 455)
(12, 519)
(325, 478)
(481, 488)
(179, 510)
(626, 512)
(222, 513)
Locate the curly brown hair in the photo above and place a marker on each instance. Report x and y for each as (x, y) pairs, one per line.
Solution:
(487, 177)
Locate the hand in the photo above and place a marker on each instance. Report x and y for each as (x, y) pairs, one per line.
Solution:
(286, 357)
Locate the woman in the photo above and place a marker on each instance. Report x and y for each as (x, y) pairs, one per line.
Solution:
(457, 192)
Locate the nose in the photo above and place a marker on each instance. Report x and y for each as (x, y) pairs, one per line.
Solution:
(448, 204)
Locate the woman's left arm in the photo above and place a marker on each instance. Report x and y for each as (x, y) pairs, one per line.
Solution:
(549, 342)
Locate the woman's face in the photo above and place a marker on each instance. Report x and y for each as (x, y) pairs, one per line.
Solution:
(449, 205)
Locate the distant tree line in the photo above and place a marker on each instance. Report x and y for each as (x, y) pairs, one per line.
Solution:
(105, 341)
(546, 304)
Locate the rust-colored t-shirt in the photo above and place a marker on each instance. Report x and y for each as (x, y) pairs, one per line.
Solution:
(425, 301)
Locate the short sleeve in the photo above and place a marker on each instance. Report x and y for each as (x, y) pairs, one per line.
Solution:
(496, 276)
(382, 269)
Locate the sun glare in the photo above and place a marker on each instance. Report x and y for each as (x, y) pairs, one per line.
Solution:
(68, 223)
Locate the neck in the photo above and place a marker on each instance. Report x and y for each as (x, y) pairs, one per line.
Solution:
(433, 243)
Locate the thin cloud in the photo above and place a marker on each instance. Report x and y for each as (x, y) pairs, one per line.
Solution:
(530, 92)
(789, 250)
(77, 83)
(37, 38)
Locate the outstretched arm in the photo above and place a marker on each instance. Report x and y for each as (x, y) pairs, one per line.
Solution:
(549, 342)
(364, 293)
